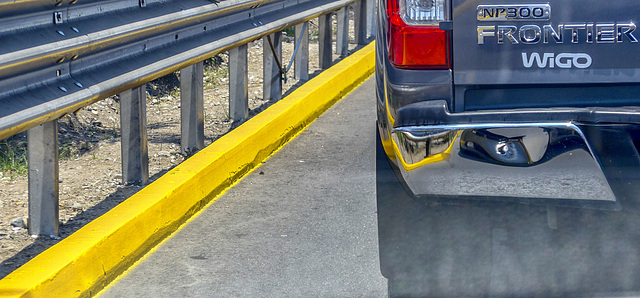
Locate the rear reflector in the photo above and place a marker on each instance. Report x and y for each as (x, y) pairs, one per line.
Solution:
(415, 39)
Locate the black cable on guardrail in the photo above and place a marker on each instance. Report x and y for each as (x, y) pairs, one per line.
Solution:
(284, 71)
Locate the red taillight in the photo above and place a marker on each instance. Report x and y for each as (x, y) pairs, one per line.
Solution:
(420, 45)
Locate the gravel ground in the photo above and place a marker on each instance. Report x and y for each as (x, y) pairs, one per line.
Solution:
(90, 147)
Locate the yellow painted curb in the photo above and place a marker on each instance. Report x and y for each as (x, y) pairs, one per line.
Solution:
(85, 262)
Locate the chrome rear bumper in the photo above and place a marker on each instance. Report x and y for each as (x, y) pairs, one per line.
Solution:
(535, 161)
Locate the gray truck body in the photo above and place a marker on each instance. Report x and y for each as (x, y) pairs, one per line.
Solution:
(492, 173)
(582, 53)
(521, 71)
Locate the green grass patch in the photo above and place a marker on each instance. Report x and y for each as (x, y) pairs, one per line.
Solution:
(291, 31)
(13, 157)
(215, 69)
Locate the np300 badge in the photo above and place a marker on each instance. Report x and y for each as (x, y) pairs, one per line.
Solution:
(534, 33)
(514, 12)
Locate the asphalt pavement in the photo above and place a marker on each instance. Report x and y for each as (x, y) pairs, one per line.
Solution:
(302, 224)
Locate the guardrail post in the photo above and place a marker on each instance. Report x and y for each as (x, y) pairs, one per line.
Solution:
(324, 41)
(360, 22)
(371, 18)
(42, 155)
(133, 121)
(342, 36)
(272, 80)
(239, 83)
(192, 108)
(301, 62)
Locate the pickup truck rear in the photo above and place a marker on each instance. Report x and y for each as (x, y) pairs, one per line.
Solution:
(495, 104)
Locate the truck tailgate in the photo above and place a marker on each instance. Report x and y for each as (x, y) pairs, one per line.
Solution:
(562, 45)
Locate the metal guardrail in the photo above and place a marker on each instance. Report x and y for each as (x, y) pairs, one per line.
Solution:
(59, 56)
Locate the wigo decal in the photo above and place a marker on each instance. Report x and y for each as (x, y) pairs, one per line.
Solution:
(552, 60)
